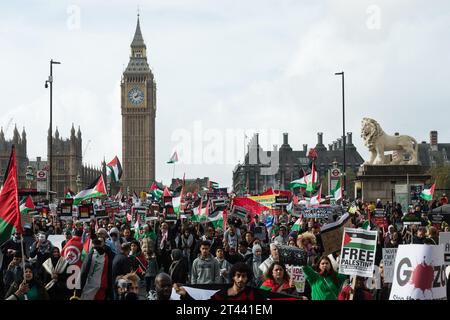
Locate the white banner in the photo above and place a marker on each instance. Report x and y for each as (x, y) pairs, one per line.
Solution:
(358, 252)
(56, 240)
(389, 260)
(419, 273)
(444, 239)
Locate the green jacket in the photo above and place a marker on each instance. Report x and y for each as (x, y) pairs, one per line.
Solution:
(323, 288)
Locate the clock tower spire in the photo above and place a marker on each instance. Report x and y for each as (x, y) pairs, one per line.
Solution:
(138, 108)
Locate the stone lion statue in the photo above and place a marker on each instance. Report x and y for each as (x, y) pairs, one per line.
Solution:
(377, 141)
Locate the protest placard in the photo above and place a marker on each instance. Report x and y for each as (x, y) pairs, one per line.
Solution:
(331, 234)
(389, 255)
(358, 252)
(419, 273)
(317, 213)
(444, 239)
(297, 276)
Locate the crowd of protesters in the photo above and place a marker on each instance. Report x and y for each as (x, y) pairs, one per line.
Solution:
(119, 263)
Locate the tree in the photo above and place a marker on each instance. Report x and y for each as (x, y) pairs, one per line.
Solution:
(441, 176)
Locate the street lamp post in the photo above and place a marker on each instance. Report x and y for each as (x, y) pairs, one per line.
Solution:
(343, 131)
(78, 181)
(29, 175)
(50, 80)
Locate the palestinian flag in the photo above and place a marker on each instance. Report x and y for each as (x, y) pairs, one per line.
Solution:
(69, 193)
(217, 219)
(119, 195)
(427, 194)
(317, 198)
(297, 225)
(96, 189)
(359, 239)
(213, 185)
(176, 203)
(337, 191)
(173, 158)
(308, 182)
(116, 169)
(10, 221)
(27, 206)
(240, 212)
(136, 227)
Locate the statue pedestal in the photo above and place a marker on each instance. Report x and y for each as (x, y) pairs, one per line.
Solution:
(391, 183)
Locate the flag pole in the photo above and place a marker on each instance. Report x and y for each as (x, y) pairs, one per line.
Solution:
(23, 257)
(173, 171)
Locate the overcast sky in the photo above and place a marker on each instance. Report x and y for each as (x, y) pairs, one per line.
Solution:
(225, 66)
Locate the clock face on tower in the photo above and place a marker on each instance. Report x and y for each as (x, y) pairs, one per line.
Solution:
(136, 96)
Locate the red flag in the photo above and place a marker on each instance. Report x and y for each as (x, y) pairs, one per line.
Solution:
(295, 200)
(207, 209)
(200, 207)
(9, 202)
(224, 215)
(166, 192)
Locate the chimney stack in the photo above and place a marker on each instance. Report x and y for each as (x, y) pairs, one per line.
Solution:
(349, 139)
(339, 142)
(330, 147)
(319, 138)
(285, 138)
(305, 148)
(434, 140)
(335, 144)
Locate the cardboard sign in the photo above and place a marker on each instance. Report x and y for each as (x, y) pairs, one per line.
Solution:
(419, 273)
(389, 255)
(331, 234)
(358, 252)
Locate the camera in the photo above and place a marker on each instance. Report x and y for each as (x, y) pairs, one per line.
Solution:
(126, 294)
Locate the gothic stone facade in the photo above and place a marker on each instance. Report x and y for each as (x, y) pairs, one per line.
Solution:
(247, 177)
(138, 107)
(20, 143)
(68, 164)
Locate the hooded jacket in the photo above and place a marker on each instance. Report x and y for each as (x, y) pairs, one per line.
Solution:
(205, 270)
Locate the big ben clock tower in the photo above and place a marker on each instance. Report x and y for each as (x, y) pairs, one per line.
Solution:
(138, 107)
